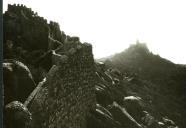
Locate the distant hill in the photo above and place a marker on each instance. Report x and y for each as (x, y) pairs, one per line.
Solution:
(139, 60)
(168, 79)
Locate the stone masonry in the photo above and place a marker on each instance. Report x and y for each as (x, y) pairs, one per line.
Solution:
(67, 94)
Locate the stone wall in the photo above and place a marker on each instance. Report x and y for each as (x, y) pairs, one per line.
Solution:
(67, 95)
(28, 37)
(25, 28)
(55, 32)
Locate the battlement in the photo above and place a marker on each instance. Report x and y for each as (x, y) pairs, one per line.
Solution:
(20, 8)
(66, 95)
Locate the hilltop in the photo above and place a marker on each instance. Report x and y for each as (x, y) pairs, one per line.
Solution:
(166, 79)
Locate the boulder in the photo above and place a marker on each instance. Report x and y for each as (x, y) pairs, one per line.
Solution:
(103, 96)
(16, 115)
(150, 121)
(134, 106)
(17, 80)
(121, 115)
(168, 122)
(101, 118)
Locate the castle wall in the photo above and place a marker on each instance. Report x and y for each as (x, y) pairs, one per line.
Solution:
(68, 92)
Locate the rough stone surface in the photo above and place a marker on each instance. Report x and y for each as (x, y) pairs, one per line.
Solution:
(16, 115)
(17, 80)
(68, 93)
(28, 38)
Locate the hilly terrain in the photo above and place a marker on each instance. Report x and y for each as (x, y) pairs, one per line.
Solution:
(52, 80)
(166, 79)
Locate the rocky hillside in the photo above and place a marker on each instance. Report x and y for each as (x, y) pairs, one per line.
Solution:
(126, 101)
(52, 80)
(165, 79)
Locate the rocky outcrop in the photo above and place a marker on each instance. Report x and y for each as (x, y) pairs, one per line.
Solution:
(17, 80)
(124, 101)
(16, 115)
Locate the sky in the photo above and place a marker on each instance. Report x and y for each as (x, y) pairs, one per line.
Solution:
(112, 25)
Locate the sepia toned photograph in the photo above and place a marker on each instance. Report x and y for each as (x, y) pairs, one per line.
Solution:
(94, 64)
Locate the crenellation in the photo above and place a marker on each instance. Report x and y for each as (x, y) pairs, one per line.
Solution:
(67, 95)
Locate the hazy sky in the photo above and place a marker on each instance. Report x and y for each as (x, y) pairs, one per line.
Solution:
(112, 25)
